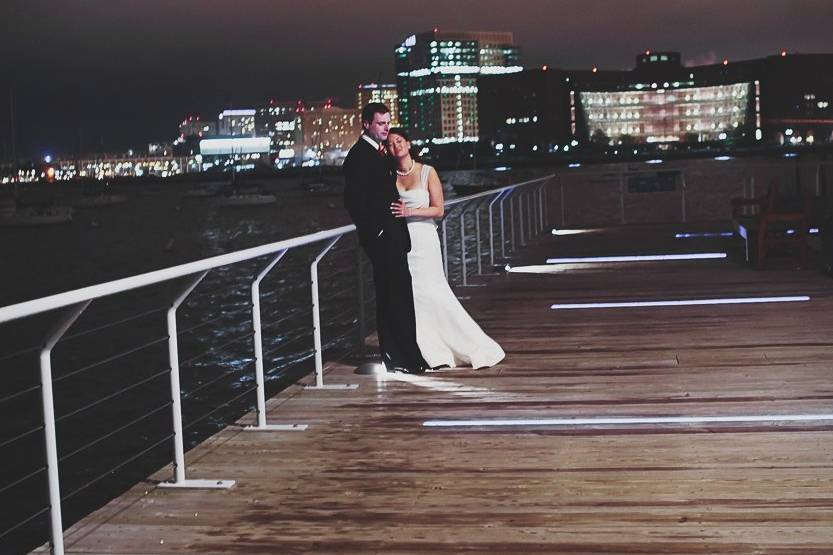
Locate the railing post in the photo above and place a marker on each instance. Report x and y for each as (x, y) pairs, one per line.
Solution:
(521, 222)
(512, 221)
(541, 208)
(463, 246)
(50, 438)
(262, 426)
(682, 194)
(491, 230)
(176, 400)
(563, 206)
(477, 235)
(316, 324)
(502, 226)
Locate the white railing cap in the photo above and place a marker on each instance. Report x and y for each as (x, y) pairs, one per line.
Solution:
(60, 300)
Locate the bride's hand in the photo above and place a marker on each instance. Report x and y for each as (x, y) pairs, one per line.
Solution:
(399, 210)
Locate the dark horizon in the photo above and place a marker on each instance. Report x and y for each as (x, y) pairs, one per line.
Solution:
(112, 75)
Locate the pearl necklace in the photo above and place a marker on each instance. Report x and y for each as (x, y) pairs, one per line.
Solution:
(403, 174)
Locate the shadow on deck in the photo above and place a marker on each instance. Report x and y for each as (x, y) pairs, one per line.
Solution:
(369, 477)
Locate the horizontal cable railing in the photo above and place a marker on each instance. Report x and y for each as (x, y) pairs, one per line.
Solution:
(246, 345)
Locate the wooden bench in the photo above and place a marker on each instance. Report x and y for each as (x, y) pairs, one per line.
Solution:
(773, 223)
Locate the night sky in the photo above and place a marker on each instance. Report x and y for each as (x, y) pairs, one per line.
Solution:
(115, 74)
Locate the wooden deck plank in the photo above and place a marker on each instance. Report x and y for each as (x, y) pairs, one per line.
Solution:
(368, 478)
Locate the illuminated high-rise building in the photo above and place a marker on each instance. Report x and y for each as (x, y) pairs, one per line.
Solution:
(384, 93)
(437, 81)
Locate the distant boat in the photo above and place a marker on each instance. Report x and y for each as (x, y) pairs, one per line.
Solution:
(202, 191)
(31, 216)
(103, 199)
(322, 188)
(240, 199)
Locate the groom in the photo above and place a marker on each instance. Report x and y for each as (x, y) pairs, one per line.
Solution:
(370, 188)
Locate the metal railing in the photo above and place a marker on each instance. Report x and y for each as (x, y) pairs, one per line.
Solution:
(486, 226)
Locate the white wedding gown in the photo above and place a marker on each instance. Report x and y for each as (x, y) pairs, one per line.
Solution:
(446, 334)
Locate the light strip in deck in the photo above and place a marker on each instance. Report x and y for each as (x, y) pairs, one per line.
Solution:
(696, 235)
(637, 258)
(629, 421)
(688, 302)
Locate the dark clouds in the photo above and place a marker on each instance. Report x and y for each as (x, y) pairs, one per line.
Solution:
(126, 71)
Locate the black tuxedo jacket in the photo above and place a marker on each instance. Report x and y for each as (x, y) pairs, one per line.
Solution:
(370, 188)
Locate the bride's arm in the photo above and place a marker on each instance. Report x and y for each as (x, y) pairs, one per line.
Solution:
(435, 201)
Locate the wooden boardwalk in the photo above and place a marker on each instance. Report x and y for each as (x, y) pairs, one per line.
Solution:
(369, 478)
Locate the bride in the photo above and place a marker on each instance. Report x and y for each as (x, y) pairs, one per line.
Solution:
(446, 334)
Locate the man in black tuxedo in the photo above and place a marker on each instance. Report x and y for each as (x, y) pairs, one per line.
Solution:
(370, 188)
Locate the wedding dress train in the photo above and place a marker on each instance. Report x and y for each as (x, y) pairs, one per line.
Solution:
(446, 333)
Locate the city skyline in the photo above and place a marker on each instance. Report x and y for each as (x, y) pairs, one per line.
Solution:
(117, 75)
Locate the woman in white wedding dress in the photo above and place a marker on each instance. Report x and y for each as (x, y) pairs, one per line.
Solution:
(446, 334)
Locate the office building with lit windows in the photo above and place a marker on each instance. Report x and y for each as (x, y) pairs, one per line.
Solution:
(662, 104)
(191, 130)
(328, 132)
(437, 81)
(384, 93)
(524, 113)
(237, 123)
(281, 122)
(791, 95)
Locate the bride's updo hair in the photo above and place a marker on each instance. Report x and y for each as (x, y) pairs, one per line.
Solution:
(399, 131)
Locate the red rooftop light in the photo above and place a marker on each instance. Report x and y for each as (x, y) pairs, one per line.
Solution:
(544, 67)
(595, 69)
(783, 53)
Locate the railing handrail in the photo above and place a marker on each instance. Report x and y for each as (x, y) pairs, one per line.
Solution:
(75, 296)
(490, 192)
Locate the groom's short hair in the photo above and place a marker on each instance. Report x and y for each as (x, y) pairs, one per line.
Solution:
(372, 108)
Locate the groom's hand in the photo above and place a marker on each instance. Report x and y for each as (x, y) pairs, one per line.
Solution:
(399, 210)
